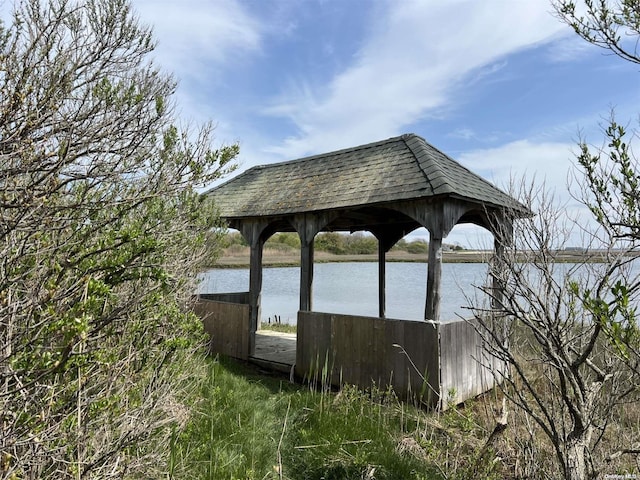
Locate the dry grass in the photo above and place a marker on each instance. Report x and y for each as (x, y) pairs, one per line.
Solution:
(238, 257)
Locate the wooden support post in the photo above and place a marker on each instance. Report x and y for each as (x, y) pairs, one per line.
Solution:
(387, 237)
(439, 218)
(497, 286)
(307, 227)
(382, 273)
(253, 233)
(502, 236)
(434, 275)
(255, 292)
(306, 274)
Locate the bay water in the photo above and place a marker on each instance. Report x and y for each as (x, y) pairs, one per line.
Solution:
(352, 288)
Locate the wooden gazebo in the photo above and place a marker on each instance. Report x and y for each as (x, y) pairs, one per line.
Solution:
(388, 188)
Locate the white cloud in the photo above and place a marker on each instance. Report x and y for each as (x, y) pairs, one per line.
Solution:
(195, 35)
(570, 50)
(198, 41)
(415, 57)
(463, 134)
(520, 159)
(516, 161)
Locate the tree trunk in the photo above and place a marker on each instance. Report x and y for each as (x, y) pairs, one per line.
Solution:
(577, 457)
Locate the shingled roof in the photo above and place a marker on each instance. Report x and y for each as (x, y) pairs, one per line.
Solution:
(397, 169)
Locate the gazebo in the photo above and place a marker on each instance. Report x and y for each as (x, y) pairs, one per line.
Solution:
(388, 188)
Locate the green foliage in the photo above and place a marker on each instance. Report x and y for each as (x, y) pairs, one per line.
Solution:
(235, 430)
(613, 181)
(279, 327)
(352, 435)
(331, 242)
(341, 244)
(615, 316)
(612, 26)
(102, 234)
(579, 357)
(230, 239)
(284, 241)
(359, 244)
(418, 247)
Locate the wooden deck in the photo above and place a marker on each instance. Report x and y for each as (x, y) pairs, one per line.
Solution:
(276, 350)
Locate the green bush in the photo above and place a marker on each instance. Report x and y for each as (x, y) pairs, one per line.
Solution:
(418, 247)
(331, 242)
(101, 246)
(286, 239)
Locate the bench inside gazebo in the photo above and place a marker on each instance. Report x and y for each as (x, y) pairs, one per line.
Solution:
(388, 188)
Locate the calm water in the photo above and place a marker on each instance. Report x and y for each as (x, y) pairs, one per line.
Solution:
(352, 288)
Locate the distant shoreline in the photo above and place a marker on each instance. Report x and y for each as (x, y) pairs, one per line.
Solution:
(276, 258)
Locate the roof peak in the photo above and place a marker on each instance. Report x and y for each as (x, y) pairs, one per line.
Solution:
(342, 151)
(399, 168)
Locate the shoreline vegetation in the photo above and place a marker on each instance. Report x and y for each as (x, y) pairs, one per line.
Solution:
(279, 258)
(238, 257)
(283, 250)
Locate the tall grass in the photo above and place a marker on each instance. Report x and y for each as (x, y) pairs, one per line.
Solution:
(234, 431)
(251, 425)
(235, 421)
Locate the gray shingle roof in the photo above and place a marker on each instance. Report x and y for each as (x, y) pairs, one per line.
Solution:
(400, 168)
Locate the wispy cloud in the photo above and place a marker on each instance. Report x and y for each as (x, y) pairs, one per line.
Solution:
(547, 165)
(416, 55)
(570, 50)
(200, 34)
(199, 42)
(524, 158)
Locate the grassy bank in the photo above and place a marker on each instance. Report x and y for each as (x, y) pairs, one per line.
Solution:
(247, 424)
(250, 425)
(238, 257)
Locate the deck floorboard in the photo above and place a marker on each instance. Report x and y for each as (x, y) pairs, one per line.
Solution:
(276, 347)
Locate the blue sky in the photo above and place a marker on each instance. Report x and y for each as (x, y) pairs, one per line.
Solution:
(500, 85)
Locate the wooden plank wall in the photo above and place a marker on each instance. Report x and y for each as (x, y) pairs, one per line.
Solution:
(463, 364)
(370, 350)
(239, 297)
(228, 326)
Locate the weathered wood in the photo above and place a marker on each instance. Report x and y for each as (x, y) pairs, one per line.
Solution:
(434, 277)
(306, 275)
(227, 325)
(235, 297)
(308, 226)
(502, 236)
(465, 367)
(418, 346)
(370, 351)
(313, 347)
(389, 188)
(382, 276)
(253, 231)
(255, 291)
(387, 236)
